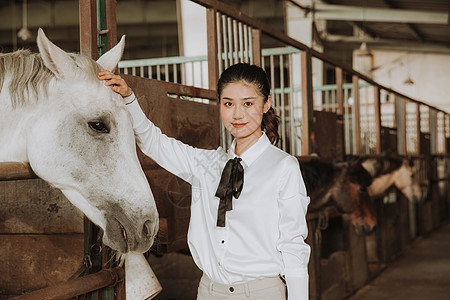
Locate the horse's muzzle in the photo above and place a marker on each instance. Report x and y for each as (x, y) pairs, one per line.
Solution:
(126, 235)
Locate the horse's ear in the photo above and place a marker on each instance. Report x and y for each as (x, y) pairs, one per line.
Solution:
(56, 59)
(110, 59)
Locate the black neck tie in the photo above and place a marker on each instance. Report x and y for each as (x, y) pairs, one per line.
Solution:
(230, 185)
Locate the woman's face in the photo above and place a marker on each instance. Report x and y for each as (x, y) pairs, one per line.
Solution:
(241, 109)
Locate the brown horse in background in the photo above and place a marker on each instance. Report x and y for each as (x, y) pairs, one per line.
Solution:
(341, 185)
(393, 171)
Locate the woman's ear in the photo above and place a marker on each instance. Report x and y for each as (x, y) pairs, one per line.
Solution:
(268, 104)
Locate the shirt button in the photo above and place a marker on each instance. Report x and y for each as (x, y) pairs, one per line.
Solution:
(218, 263)
(223, 241)
(231, 289)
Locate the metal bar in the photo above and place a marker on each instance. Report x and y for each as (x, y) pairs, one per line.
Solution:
(219, 46)
(272, 79)
(307, 101)
(79, 286)
(377, 107)
(175, 73)
(225, 43)
(241, 43)
(356, 115)
(250, 44)
(158, 72)
(235, 40)
(230, 41)
(291, 107)
(246, 44)
(282, 107)
(166, 70)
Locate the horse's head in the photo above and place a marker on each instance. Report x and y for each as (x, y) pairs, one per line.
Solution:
(406, 179)
(82, 142)
(358, 204)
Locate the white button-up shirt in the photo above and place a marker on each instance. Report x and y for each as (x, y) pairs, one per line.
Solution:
(264, 233)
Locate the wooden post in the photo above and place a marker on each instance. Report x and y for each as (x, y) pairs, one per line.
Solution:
(400, 117)
(307, 101)
(88, 28)
(377, 107)
(213, 55)
(111, 21)
(356, 114)
(256, 41)
(339, 91)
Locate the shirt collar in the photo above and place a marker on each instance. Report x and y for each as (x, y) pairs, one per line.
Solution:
(251, 154)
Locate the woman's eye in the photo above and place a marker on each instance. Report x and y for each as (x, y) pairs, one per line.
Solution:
(227, 104)
(99, 127)
(248, 103)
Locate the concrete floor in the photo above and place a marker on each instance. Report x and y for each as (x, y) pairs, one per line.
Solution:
(421, 273)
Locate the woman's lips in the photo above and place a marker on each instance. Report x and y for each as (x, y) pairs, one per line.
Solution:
(238, 125)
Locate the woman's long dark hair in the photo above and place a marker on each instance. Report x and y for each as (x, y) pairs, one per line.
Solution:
(256, 76)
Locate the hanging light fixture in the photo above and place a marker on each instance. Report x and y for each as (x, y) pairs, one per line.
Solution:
(363, 50)
(408, 80)
(24, 33)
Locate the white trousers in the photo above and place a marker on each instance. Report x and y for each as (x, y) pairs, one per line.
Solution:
(270, 288)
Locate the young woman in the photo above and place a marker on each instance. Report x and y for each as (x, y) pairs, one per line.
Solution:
(247, 228)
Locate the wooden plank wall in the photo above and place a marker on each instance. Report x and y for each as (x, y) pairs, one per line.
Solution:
(41, 236)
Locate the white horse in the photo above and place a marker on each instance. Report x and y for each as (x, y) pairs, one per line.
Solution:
(77, 135)
(387, 172)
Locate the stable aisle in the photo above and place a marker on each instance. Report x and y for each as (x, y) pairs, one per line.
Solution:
(422, 272)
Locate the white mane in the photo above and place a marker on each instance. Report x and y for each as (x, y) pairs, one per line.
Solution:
(26, 75)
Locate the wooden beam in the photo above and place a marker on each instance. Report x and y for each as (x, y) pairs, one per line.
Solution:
(79, 286)
(16, 171)
(375, 14)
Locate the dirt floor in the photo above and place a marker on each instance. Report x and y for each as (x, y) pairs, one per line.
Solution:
(421, 273)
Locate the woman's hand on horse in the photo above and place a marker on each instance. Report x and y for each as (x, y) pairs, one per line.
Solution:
(117, 83)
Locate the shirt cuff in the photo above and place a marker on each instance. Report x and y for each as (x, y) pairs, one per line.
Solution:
(129, 99)
(139, 117)
(298, 287)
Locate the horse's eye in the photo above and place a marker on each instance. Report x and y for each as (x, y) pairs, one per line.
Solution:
(99, 126)
(362, 188)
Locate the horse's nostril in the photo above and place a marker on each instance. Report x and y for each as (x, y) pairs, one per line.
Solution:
(124, 233)
(147, 230)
